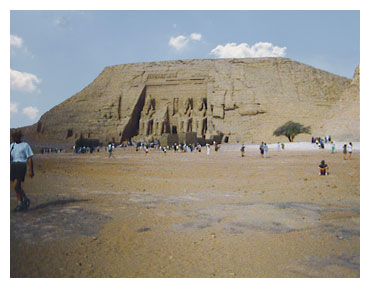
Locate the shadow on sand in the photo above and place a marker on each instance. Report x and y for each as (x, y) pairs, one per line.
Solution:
(55, 203)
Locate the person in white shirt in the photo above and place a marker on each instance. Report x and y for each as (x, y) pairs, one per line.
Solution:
(265, 150)
(110, 150)
(349, 148)
(20, 159)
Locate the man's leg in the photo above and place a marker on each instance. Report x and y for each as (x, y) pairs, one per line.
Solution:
(20, 194)
(23, 200)
(18, 189)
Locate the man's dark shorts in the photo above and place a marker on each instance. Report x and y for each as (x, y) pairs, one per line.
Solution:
(18, 170)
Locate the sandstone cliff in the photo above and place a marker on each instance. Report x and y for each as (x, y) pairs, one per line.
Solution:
(236, 99)
(344, 121)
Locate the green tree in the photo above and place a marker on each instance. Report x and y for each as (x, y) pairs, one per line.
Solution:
(291, 129)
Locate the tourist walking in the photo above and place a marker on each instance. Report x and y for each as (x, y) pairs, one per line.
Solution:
(242, 150)
(216, 146)
(262, 148)
(278, 147)
(208, 149)
(20, 160)
(322, 144)
(345, 151)
(110, 150)
(333, 147)
(265, 150)
(349, 148)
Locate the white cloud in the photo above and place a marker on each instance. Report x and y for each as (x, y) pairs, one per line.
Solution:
(243, 50)
(23, 81)
(178, 42)
(13, 107)
(61, 21)
(196, 36)
(16, 41)
(181, 41)
(30, 112)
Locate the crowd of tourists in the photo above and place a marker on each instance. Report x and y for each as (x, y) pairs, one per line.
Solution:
(176, 147)
(51, 150)
(85, 149)
(321, 141)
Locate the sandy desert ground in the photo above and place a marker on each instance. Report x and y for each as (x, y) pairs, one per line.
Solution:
(189, 215)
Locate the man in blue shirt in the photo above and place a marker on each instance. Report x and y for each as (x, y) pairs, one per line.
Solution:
(20, 157)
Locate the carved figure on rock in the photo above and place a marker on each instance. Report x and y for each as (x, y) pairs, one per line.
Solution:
(188, 106)
(150, 109)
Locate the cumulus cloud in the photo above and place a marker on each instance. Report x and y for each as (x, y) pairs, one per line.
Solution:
(16, 41)
(196, 36)
(178, 42)
(243, 50)
(23, 81)
(30, 112)
(181, 41)
(13, 107)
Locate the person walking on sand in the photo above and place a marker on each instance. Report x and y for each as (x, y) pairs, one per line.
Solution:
(146, 148)
(110, 150)
(322, 144)
(208, 149)
(20, 159)
(333, 147)
(242, 150)
(265, 150)
(345, 151)
(349, 148)
(261, 148)
(278, 147)
(323, 168)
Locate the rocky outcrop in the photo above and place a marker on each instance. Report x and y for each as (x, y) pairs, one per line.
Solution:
(237, 99)
(344, 122)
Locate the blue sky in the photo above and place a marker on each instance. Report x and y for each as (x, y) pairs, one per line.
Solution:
(55, 54)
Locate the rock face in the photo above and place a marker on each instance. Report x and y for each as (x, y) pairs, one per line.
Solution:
(344, 122)
(227, 99)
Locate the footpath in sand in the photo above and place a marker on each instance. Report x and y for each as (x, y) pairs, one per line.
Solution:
(189, 215)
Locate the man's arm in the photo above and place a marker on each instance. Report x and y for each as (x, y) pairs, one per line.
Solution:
(30, 167)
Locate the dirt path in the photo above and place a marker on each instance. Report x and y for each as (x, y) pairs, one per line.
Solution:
(189, 215)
